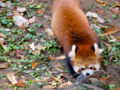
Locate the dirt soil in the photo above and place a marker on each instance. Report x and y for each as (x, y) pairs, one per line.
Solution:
(112, 69)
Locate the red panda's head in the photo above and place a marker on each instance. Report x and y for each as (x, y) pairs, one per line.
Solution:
(85, 60)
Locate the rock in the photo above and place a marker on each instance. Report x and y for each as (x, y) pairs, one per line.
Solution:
(83, 79)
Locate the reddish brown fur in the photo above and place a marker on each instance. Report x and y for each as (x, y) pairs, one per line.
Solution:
(70, 26)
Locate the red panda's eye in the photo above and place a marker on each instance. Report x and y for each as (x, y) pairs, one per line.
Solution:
(91, 67)
(82, 69)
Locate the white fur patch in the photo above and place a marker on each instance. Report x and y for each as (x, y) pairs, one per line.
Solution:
(72, 52)
(82, 67)
(97, 66)
(90, 66)
(98, 51)
(90, 71)
(76, 68)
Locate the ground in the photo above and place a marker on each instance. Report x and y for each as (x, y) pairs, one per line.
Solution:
(21, 66)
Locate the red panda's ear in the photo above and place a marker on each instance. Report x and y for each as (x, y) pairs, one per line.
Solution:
(97, 50)
(72, 52)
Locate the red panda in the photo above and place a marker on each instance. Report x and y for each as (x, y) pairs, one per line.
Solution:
(80, 43)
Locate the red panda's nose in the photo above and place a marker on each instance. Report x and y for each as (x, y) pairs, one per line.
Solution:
(87, 74)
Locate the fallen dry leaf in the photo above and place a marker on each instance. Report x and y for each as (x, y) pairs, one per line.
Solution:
(117, 88)
(44, 78)
(90, 14)
(111, 83)
(57, 58)
(21, 9)
(40, 11)
(69, 83)
(59, 69)
(3, 65)
(115, 10)
(34, 65)
(100, 11)
(111, 31)
(36, 51)
(18, 53)
(24, 27)
(2, 43)
(9, 4)
(31, 20)
(11, 78)
(16, 13)
(49, 31)
(19, 20)
(25, 46)
(49, 87)
(2, 35)
(62, 85)
(101, 2)
(96, 21)
(2, 4)
(51, 57)
(59, 78)
(20, 83)
(60, 57)
(33, 47)
(117, 4)
(106, 78)
(40, 47)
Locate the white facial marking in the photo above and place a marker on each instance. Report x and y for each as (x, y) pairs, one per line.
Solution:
(97, 66)
(82, 66)
(76, 68)
(98, 51)
(90, 66)
(72, 52)
(87, 71)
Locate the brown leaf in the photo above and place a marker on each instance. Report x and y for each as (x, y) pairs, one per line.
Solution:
(39, 11)
(117, 88)
(49, 87)
(2, 35)
(44, 78)
(9, 4)
(69, 83)
(115, 10)
(11, 78)
(57, 58)
(49, 31)
(36, 51)
(3, 65)
(100, 11)
(59, 78)
(31, 20)
(18, 53)
(111, 31)
(96, 21)
(117, 4)
(20, 83)
(16, 13)
(101, 2)
(111, 83)
(2, 43)
(21, 9)
(34, 65)
(24, 27)
(59, 69)
(106, 78)
(2, 4)
(60, 57)
(19, 20)
(51, 57)
(25, 46)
